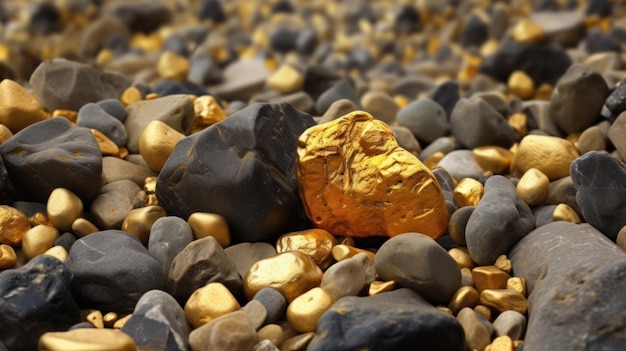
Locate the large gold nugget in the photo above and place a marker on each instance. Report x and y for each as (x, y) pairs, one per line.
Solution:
(354, 180)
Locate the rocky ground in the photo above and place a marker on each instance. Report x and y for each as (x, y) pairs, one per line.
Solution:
(312, 175)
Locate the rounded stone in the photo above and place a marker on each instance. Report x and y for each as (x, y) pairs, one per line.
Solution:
(533, 187)
(208, 303)
(317, 243)
(550, 155)
(380, 105)
(474, 122)
(204, 224)
(274, 302)
(510, 323)
(138, 222)
(14, 225)
(286, 79)
(38, 240)
(349, 277)
(304, 311)
(232, 331)
(87, 339)
(113, 203)
(477, 335)
(94, 116)
(425, 118)
(63, 208)
(256, 312)
(461, 164)
(168, 236)
(244, 255)
(19, 108)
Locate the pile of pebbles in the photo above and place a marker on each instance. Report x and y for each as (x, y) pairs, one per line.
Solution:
(156, 190)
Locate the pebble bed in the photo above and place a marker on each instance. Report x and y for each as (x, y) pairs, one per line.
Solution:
(312, 175)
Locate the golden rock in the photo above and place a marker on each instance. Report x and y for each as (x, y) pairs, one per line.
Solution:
(551, 155)
(130, 95)
(544, 92)
(93, 317)
(468, 192)
(8, 258)
(503, 263)
(533, 187)
(172, 66)
(107, 146)
(563, 212)
(209, 302)
(152, 96)
(18, 107)
(82, 227)
(119, 323)
(205, 224)
(483, 311)
(157, 142)
(518, 284)
(39, 218)
(208, 111)
(71, 115)
(341, 252)
(5, 133)
(521, 84)
(285, 80)
(109, 319)
(377, 287)
(489, 277)
(63, 208)
(304, 311)
(466, 296)
(494, 159)
(489, 47)
(13, 225)
(58, 252)
(519, 123)
(149, 185)
(527, 32)
(291, 273)
(271, 332)
(503, 300)
(139, 221)
(123, 153)
(298, 342)
(462, 257)
(433, 160)
(317, 243)
(355, 180)
(502, 343)
(445, 309)
(38, 240)
(87, 339)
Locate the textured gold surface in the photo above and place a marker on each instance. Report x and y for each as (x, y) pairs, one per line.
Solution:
(208, 111)
(63, 208)
(519, 123)
(462, 257)
(502, 343)
(466, 296)
(93, 317)
(38, 240)
(533, 187)
(518, 284)
(317, 243)
(8, 258)
(205, 224)
(551, 155)
(504, 300)
(468, 192)
(489, 277)
(13, 225)
(291, 273)
(341, 252)
(495, 159)
(18, 107)
(87, 339)
(139, 221)
(521, 84)
(503, 263)
(564, 212)
(377, 287)
(355, 180)
(58, 252)
(304, 311)
(209, 302)
(172, 66)
(107, 146)
(156, 143)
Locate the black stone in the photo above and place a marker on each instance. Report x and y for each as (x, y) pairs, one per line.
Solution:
(204, 70)
(176, 43)
(143, 16)
(318, 79)
(360, 59)
(600, 181)
(45, 18)
(447, 186)
(165, 87)
(475, 32)
(598, 41)
(283, 39)
(53, 154)
(36, 298)
(407, 20)
(7, 190)
(66, 240)
(447, 95)
(111, 270)
(547, 5)
(397, 320)
(283, 6)
(306, 42)
(601, 8)
(242, 168)
(29, 209)
(117, 43)
(615, 103)
(574, 277)
(212, 10)
(93, 116)
(114, 108)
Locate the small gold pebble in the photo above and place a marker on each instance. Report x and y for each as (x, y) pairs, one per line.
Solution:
(495, 159)
(502, 343)
(58, 252)
(139, 221)
(468, 192)
(517, 344)
(109, 319)
(38, 240)
(563, 212)
(123, 153)
(104, 57)
(533, 187)
(151, 200)
(462, 257)
(519, 123)
(82, 227)
(14, 225)
(8, 258)
(341, 252)
(149, 185)
(503, 300)
(285, 80)
(298, 342)
(172, 66)
(119, 323)
(152, 96)
(433, 160)
(304, 311)
(377, 287)
(205, 224)
(346, 240)
(503, 263)
(63, 208)
(209, 302)
(71, 115)
(445, 309)
(130, 95)
(518, 284)
(489, 277)
(466, 296)
(551, 155)
(208, 111)
(483, 311)
(107, 146)
(521, 84)
(156, 143)
(317, 243)
(87, 339)
(94, 317)
(18, 107)
(527, 32)
(544, 92)
(5, 133)
(39, 218)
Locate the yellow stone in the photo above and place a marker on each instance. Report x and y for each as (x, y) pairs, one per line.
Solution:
(502, 343)
(58, 252)
(462, 257)
(564, 212)
(466, 296)
(503, 263)
(130, 95)
(544, 92)
(551, 155)
(285, 80)
(82, 227)
(304, 311)
(63, 208)
(107, 146)
(377, 287)
(271, 332)
(205, 224)
(38, 240)
(209, 302)
(207, 111)
(172, 66)
(298, 342)
(18, 107)
(533, 187)
(468, 192)
(489, 47)
(13, 225)
(152, 96)
(521, 84)
(518, 284)
(8, 258)
(94, 317)
(68, 114)
(527, 32)
(149, 185)
(139, 221)
(519, 123)
(317, 243)
(5, 133)
(109, 319)
(504, 300)
(119, 323)
(494, 159)
(483, 311)
(39, 218)
(341, 252)
(156, 143)
(355, 180)
(87, 339)
(489, 277)
(291, 273)
(433, 161)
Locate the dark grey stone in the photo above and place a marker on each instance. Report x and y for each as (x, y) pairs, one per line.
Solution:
(447, 186)
(573, 276)
(443, 144)
(143, 16)
(543, 214)
(111, 270)
(461, 164)
(82, 325)
(425, 118)
(407, 20)
(204, 70)
(499, 220)
(397, 320)
(412, 85)
(318, 79)
(36, 298)
(45, 18)
(29, 208)
(343, 89)
(212, 10)
(274, 302)
(7, 190)
(114, 107)
(53, 154)
(563, 191)
(244, 255)
(476, 123)
(538, 117)
(474, 33)
(168, 237)
(617, 134)
(458, 223)
(597, 41)
(166, 87)
(446, 95)
(66, 240)
(93, 116)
